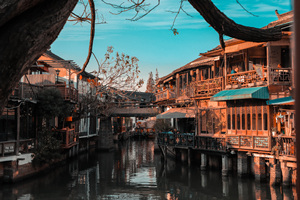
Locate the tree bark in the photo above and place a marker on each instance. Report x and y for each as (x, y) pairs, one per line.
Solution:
(27, 29)
(225, 26)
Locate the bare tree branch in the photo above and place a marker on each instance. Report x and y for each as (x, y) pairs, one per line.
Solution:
(92, 34)
(137, 6)
(246, 9)
(225, 26)
(175, 32)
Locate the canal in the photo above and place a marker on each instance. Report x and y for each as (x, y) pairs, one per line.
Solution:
(134, 171)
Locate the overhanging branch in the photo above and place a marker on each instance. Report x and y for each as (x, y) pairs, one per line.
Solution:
(225, 26)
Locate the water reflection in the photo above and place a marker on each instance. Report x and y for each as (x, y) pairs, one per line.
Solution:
(133, 171)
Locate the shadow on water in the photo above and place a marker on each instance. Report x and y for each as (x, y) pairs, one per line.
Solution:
(134, 171)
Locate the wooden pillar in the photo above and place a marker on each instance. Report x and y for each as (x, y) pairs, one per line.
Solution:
(203, 161)
(268, 62)
(189, 157)
(177, 84)
(246, 60)
(256, 114)
(225, 165)
(286, 175)
(275, 172)
(242, 164)
(197, 74)
(18, 130)
(259, 168)
(225, 68)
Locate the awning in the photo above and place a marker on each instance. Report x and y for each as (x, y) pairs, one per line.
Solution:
(242, 46)
(282, 101)
(245, 93)
(187, 112)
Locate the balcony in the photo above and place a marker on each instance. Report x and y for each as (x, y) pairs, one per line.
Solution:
(68, 137)
(280, 76)
(246, 79)
(8, 148)
(207, 88)
(68, 93)
(165, 95)
(285, 146)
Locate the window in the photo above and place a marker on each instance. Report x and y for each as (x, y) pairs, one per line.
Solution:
(265, 121)
(238, 121)
(254, 121)
(228, 121)
(243, 122)
(248, 122)
(233, 121)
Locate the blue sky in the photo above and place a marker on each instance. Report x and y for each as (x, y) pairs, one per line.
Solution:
(150, 38)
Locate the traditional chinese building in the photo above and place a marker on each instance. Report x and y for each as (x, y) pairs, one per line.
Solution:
(236, 102)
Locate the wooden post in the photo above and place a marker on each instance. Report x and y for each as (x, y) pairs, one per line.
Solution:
(256, 114)
(18, 130)
(246, 60)
(225, 68)
(268, 63)
(177, 85)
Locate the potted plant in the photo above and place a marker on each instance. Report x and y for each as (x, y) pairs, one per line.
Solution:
(274, 131)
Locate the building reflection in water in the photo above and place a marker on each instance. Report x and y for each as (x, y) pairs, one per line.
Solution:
(225, 186)
(133, 171)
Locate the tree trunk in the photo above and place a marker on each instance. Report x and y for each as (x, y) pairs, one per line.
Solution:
(27, 29)
(225, 26)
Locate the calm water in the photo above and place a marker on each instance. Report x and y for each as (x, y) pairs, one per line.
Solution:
(133, 171)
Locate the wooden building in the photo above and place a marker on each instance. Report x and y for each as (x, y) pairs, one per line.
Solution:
(241, 102)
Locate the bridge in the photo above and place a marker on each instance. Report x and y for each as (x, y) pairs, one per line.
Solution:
(134, 112)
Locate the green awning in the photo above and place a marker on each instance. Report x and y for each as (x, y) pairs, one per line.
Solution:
(281, 101)
(245, 93)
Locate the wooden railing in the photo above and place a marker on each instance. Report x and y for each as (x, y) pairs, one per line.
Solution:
(179, 140)
(207, 88)
(249, 142)
(67, 92)
(284, 146)
(26, 91)
(67, 137)
(8, 148)
(280, 76)
(165, 95)
(30, 91)
(221, 144)
(246, 79)
(288, 146)
(210, 143)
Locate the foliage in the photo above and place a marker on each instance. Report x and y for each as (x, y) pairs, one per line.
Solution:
(51, 104)
(162, 125)
(48, 148)
(116, 75)
(120, 72)
(150, 88)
